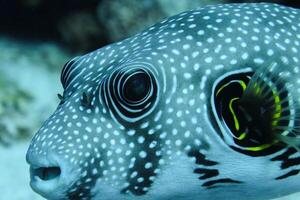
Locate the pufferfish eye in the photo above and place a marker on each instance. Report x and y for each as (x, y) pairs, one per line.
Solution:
(130, 93)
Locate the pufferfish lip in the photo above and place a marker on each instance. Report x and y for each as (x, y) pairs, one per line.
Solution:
(45, 173)
(44, 179)
(49, 179)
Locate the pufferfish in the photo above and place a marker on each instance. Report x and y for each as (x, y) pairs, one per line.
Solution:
(203, 105)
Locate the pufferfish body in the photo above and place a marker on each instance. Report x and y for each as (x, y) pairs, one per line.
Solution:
(203, 105)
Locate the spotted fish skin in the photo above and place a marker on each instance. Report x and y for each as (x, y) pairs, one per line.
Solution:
(162, 140)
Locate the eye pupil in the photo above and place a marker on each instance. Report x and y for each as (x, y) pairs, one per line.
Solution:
(137, 87)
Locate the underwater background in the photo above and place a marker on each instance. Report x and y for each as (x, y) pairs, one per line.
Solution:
(36, 38)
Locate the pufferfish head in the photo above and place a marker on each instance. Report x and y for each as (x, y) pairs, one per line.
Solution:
(203, 105)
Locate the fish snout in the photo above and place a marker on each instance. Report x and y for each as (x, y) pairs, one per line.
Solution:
(50, 175)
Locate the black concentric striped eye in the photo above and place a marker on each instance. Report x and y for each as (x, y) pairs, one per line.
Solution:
(130, 93)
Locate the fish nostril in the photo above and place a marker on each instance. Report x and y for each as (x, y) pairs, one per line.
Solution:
(46, 173)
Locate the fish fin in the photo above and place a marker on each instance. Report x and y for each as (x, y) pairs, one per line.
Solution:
(291, 141)
(271, 101)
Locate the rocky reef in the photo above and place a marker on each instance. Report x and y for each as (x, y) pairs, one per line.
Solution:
(29, 79)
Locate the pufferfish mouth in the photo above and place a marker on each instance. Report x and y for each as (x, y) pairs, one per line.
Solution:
(49, 179)
(45, 173)
(44, 180)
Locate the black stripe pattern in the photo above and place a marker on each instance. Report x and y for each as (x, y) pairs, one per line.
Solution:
(68, 72)
(287, 162)
(141, 175)
(210, 175)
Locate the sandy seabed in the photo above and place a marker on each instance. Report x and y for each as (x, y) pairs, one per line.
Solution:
(14, 177)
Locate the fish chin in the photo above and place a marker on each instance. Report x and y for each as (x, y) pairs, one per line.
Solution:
(45, 191)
